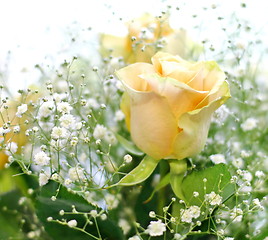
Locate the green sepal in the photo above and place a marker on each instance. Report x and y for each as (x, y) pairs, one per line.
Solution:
(140, 173)
(129, 146)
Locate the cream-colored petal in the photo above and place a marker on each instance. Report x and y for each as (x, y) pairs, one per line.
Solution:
(125, 107)
(114, 45)
(153, 125)
(195, 125)
(180, 96)
(130, 76)
(220, 89)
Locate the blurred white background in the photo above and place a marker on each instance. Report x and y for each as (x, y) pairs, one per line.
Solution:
(47, 32)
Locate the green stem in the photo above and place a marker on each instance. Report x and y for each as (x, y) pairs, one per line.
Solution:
(178, 169)
(162, 192)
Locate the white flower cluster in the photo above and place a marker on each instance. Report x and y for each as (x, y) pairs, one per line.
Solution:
(156, 228)
(188, 214)
(213, 198)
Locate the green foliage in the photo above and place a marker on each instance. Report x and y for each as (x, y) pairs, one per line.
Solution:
(65, 200)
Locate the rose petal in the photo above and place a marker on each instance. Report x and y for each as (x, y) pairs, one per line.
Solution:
(180, 96)
(153, 125)
(130, 76)
(195, 125)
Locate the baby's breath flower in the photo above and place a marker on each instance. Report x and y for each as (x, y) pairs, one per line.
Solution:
(11, 148)
(92, 103)
(156, 228)
(58, 132)
(119, 115)
(236, 214)
(124, 225)
(186, 216)
(46, 109)
(76, 173)
(21, 110)
(43, 179)
(128, 158)
(111, 201)
(16, 129)
(41, 158)
(72, 223)
(249, 124)
(67, 120)
(64, 107)
(99, 131)
(194, 211)
(213, 198)
(136, 237)
(217, 158)
(93, 213)
(152, 214)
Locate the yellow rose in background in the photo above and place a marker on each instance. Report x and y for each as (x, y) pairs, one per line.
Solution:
(145, 36)
(10, 115)
(168, 104)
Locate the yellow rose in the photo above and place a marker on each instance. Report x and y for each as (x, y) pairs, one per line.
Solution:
(10, 115)
(168, 104)
(147, 31)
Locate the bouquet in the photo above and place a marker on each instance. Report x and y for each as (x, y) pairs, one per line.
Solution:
(163, 138)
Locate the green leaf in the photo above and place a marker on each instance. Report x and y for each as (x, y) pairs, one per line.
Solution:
(140, 173)
(10, 217)
(65, 200)
(217, 180)
(129, 146)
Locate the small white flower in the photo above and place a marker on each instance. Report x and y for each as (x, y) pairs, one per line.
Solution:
(220, 114)
(64, 107)
(41, 159)
(16, 129)
(136, 237)
(21, 110)
(238, 162)
(213, 198)
(119, 115)
(4, 131)
(249, 124)
(111, 201)
(67, 120)
(259, 174)
(43, 179)
(186, 216)
(124, 225)
(76, 173)
(46, 109)
(11, 148)
(247, 176)
(72, 223)
(177, 236)
(99, 131)
(236, 215)
(194, 211)
(128, 158)
(93, 213)
(228, 238)
(58, 132)
(217, 158)
(110, 138)
(256, 202)
(74, 141)
(156, 228)
(152, 214)
(195, 194)
(68, 181)
(92, 103)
